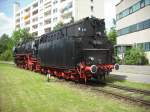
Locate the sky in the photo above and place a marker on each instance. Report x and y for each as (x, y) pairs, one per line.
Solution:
(6, 14)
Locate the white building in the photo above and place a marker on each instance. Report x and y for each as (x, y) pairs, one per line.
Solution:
(41, 16)
(133, 25)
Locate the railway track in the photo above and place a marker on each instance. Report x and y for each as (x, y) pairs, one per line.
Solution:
(137, 100)
(145, 92)
(122, 96)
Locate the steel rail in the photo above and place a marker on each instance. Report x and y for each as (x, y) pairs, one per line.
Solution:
(142, 91)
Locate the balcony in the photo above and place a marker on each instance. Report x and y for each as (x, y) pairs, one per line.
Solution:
(35, 34)
(34, 27)
(26, 17)
(67, 15)
(35, 5)
(35, 19)
(47, 13)
(48, 21)
(27, 9)
(47, 30)
(18, 20)
(67, 7)
(35, 12)
(27, 22)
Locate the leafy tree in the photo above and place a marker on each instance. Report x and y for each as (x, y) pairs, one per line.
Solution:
(58, 26)
(21, 34)
(135, 56)
(7, 55)
(112, 35)
(4, 43)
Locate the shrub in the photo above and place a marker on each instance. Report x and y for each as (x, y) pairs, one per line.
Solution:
(117, 60)
(135, 56)
(6, 56)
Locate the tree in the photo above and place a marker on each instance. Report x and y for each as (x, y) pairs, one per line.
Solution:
(112, 35)
(21, 34)
(6, 45)
(135, 56)
(4, 40)
(58, 26)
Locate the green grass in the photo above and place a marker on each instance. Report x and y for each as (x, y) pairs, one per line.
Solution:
(25, 91)
(129, 84)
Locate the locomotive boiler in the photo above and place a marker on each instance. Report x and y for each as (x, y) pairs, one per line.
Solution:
(77, 51)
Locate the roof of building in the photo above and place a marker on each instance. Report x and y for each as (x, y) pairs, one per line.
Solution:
(119, 2)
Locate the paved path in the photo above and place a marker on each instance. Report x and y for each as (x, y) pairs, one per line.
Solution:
(135, 69)
(131, 77)
(132, 73)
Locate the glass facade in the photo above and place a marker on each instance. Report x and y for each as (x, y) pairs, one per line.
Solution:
(135, 27)
(139, 5)
(145, 46)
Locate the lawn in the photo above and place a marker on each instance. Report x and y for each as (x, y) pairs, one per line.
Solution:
(137, 85)
(25, 91)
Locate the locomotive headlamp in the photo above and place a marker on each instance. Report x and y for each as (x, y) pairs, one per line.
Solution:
(98, 33)
(91, 58)
(93, 69)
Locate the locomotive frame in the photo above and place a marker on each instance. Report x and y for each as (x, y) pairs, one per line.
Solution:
(77, 51)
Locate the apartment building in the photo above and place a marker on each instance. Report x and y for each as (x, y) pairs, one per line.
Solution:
(133, 25)
(41, 16)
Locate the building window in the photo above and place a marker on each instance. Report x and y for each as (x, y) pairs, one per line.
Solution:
(92, 8)
(35, 19)
(18, 14)
(47, 13)
(55, 19)
(146, 24)
(47, 30)
(67, 15)
(55, 10)
(125, 13)
(35, 5)
(27, 10)
(140, 26)
(48, 21)
(27, 29)
(120, 15)
(35, 12)
(55, 2)
(131, 10)
(27, 23)
(139, 5)
(41, 24)
(136, 7)
(41, 1)
(41, 17)
(35, 34)
(147, 2)
(47, 5)
(145, 46)
(67, 7)
(63, 0)
(142, 3)
(35, 26)
(133, 28)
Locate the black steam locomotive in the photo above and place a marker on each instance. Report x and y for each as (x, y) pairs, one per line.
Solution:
(77, 51)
